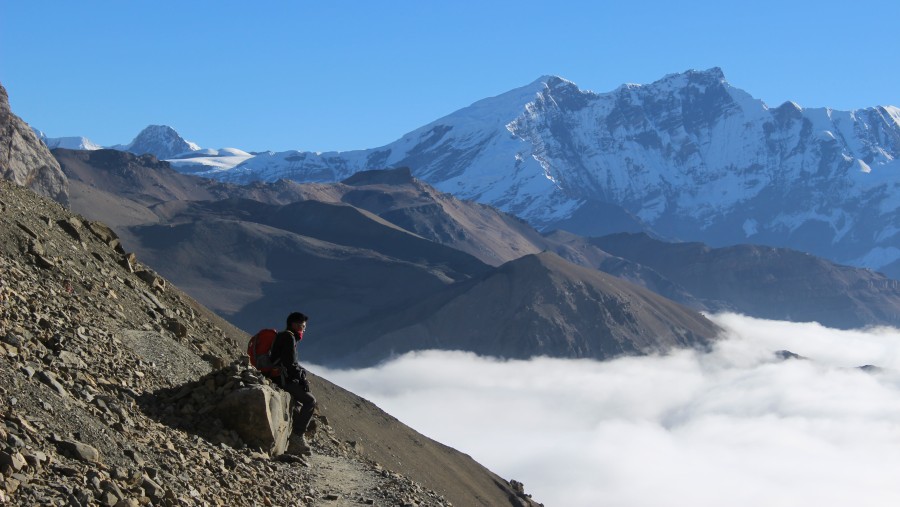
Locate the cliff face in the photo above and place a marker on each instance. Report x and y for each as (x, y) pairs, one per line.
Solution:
(25, 160)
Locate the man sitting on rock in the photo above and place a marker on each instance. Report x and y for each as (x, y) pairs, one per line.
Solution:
(292, 378)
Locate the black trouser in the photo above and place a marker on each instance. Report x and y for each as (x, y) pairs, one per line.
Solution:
(304, 403)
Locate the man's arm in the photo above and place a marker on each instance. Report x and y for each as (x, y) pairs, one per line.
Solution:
(283, 355)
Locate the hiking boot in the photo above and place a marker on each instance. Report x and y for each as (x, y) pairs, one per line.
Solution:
(297, 445)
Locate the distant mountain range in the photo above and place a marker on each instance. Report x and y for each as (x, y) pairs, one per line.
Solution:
(387, 264)
(688, 157)
(254, 253)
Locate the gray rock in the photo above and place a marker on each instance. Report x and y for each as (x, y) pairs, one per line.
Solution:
(261, 415)
(103, 232)
(72, 226)
(177, 328)
(70, 359)
(151, 279)
(13, 461)
(35, 459)
(27, 161)
(79, 451)
(153, 489)
(49, 379)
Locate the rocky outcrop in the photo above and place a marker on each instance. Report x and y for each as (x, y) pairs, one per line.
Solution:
(261, 415)
(25, 160)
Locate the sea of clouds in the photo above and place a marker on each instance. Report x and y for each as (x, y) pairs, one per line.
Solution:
(736, 426)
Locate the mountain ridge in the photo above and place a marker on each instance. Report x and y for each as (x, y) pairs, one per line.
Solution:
(688, 157)
(528, 307)
(228, 217)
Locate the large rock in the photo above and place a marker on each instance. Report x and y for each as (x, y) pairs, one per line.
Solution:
(261, 415)
(25, 160)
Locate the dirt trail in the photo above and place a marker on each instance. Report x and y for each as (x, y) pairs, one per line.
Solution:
(340, 482)
(336, 481)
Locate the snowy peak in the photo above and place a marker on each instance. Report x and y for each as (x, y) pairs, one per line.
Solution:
(162, 141)
(688, 156)
(69, 143)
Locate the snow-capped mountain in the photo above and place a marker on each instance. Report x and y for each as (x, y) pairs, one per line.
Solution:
(69, 143)
(159, 140)
(166, 144)
(203, 160)
(688, 157)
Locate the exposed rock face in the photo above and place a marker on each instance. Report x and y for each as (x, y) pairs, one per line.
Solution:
(25, 160)
(261, 415)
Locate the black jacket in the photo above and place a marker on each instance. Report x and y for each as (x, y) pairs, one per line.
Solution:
(284, 355)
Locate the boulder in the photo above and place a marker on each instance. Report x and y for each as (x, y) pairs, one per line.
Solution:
(79, 451)
(261, 415)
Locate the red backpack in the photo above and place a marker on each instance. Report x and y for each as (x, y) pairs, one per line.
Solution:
(259, 348)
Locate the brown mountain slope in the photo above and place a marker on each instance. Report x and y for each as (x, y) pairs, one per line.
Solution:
(393, 194)
(122, 189)
(535, 305)
(771, 283)
(89, 337)
(254, 260)
(581, 251)
(255, 274)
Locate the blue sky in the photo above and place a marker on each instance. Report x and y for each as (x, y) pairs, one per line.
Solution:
(341, 75)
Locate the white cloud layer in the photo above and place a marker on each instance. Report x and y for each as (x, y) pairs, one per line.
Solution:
(736, 426)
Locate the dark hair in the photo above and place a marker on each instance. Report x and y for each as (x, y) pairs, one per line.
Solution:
(296, 317)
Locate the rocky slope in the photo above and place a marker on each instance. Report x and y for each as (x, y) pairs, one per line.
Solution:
(108, 374)
(24, 159)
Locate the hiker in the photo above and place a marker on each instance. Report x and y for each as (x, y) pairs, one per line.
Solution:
(292, 378)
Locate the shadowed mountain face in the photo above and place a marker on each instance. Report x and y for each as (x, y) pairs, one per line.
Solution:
(255, 263)
(583, 252)
(773, 283)
(139, 177)
(533, 306)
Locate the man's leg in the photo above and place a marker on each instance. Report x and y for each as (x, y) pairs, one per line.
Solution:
(302, 415)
